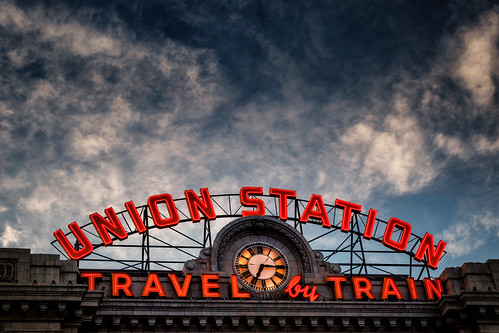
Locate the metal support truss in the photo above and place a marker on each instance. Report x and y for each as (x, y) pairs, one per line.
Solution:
(170, 247)
(146, 258)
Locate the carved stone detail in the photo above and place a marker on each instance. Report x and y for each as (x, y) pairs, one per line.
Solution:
(262, 224)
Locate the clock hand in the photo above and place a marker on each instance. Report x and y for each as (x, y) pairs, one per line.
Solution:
(275, 266)
(260, 270)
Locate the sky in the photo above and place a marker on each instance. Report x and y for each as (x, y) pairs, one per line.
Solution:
(389, 104)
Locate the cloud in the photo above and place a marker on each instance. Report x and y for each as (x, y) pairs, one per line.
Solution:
(461, 237)
(101, 110)
(10, 237)
(101, 133)
(452, 146)
(77, 38)
(391, 154)
(478, 65)
(95, 116)
(478, 145)
(484, 145)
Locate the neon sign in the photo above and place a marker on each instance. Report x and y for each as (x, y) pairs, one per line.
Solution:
(360, 287)
(202, 205)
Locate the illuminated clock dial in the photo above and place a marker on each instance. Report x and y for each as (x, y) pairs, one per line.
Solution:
(261, 267)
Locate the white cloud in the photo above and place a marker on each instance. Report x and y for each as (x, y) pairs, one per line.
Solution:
(484, 145)
(10, 236)
(461, 237)
(15, 183)
(478, 62)
(105, 125)
(393, 153)
(43, 90)
(80, 39)
(42, 199)
(12, 16)
(5, 125)
(478, 145)
(461, 240)
(452, 146)
(82, 189)
(103, 132)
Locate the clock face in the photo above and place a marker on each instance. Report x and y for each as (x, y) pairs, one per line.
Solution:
(261, 267)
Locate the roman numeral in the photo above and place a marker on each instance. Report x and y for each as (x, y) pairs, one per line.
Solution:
(279, 275)
(259, 249)
(246, 274)
(251, 251)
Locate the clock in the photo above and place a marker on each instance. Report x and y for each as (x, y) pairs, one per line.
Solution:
(261, 267)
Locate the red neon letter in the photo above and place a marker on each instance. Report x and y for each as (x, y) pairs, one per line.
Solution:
(347, 212)
(113, 225)
(431, 288)
(206, 285)
(153, 285)
(320, 212)
(390, 288)
(338, 292)
(294, 289)
(196, 204)
(404, 239)
(252, 202)
(91, 279)
(283, 200)
(291, 290)
(159, 221)
(134, 214)
(359, 290)
(180, 290)
(311, 295)
(117, 286)
(427, 246)
(411, 285)
(371, 219)
(86, 249)
(235, 288)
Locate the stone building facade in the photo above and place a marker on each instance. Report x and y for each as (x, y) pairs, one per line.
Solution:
(41, 293)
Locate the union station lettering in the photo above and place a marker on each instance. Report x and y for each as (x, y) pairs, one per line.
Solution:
(275, 263)
(202, 204)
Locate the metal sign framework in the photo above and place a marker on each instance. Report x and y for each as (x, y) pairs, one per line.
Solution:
(354, 254)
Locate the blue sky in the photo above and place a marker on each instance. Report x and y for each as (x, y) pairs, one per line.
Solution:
(390, 104)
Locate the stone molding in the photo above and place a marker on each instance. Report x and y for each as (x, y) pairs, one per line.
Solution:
(262, 224)
(470, 304)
